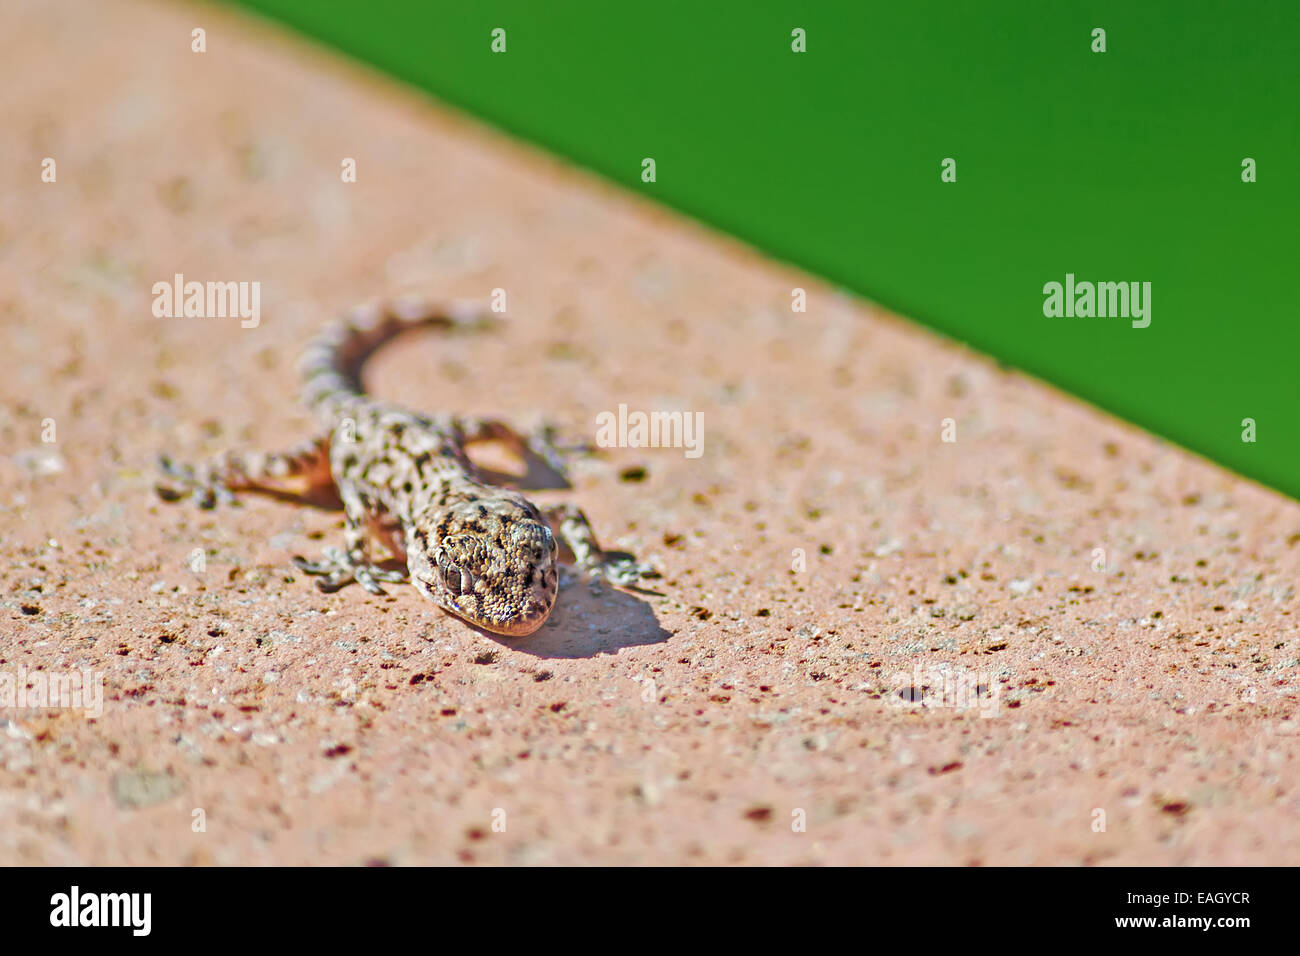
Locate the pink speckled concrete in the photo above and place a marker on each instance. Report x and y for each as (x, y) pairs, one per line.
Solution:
(755, 714)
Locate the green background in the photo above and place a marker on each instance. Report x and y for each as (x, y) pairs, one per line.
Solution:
(1116, 166)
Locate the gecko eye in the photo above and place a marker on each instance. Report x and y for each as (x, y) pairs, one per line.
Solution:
(456, 580)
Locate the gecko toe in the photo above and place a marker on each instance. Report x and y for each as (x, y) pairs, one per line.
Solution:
(621, 568)
(366, 578)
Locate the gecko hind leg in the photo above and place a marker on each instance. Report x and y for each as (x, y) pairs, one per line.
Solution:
(298, 472)
(541, 443)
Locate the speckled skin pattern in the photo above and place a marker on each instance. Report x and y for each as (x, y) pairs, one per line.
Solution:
(482, 552)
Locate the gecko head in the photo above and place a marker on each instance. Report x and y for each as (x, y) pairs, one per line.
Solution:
(493, 562)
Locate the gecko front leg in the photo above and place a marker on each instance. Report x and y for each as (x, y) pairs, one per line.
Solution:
(341, 566)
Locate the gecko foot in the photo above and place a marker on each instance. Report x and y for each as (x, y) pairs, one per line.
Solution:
(338, 569)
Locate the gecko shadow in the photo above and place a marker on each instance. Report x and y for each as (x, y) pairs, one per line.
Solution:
(583, 624)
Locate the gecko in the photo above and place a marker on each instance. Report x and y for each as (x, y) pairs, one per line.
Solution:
(481, 551)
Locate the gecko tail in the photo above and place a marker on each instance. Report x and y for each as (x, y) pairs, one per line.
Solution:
(331, 365)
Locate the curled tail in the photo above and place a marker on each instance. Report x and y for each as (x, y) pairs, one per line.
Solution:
(331, 365)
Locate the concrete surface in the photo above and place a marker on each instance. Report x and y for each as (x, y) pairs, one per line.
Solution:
(757, 713)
